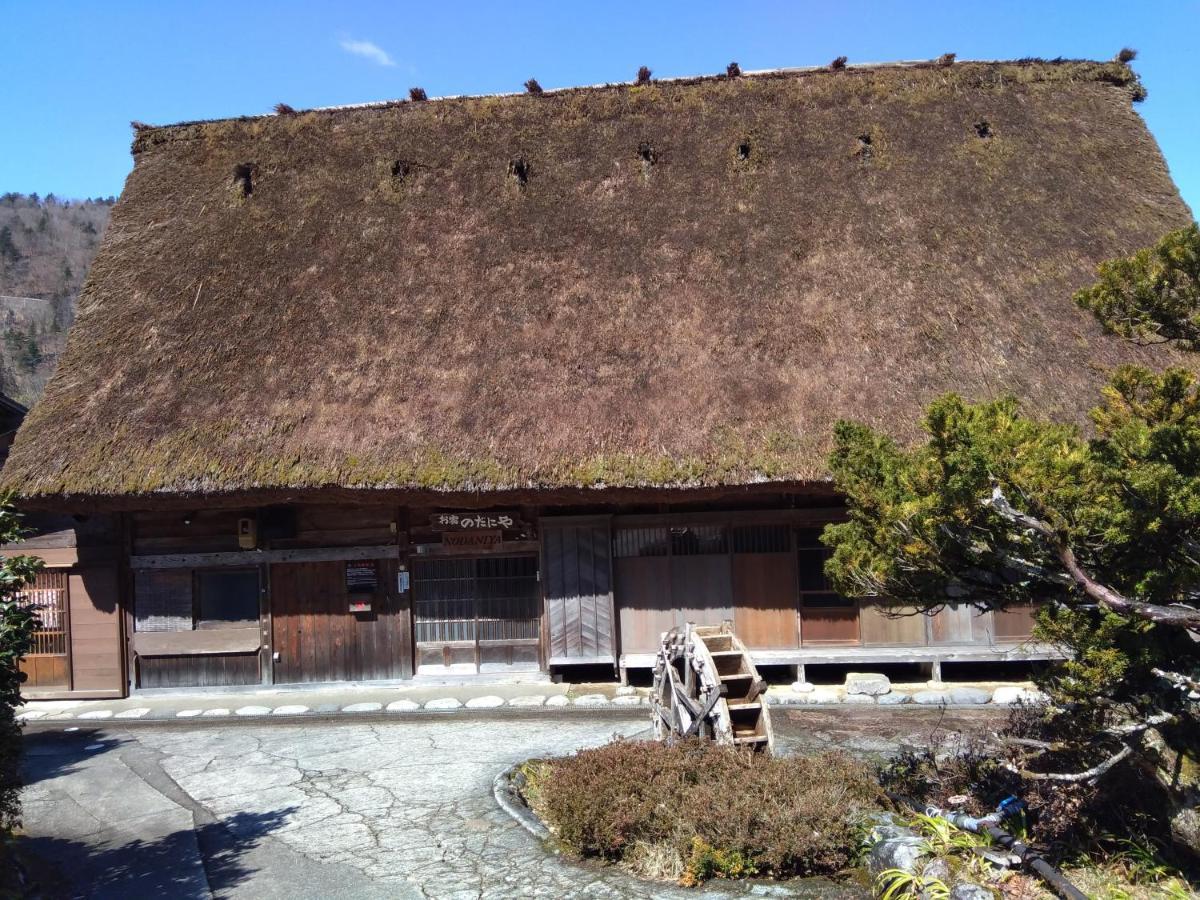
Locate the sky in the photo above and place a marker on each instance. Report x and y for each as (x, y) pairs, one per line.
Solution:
(74, 74)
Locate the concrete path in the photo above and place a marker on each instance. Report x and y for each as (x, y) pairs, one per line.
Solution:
(349, 807)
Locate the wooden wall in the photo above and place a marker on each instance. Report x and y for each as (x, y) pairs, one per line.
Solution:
(305, 615)
(209, 670)
(97, 649)
(317, 638)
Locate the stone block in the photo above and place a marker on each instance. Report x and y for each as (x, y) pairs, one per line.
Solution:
(969, 696)
(869, 683)
(931, 698)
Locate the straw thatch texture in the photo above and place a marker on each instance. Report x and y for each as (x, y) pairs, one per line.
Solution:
(665, 284)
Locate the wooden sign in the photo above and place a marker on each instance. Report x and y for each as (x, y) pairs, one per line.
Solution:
(474, 521)
(362, 576)
(473, 540)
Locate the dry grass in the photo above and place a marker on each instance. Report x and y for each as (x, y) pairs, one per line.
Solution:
(596, 327)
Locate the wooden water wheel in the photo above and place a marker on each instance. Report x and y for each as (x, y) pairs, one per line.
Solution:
(706, 686)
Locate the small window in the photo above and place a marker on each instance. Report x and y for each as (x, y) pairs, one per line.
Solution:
(631, 542)
(226, 598)
(812, 569)
(761, 539)
(698, 540)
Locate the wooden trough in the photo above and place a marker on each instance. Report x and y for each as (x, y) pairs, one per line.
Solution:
(706, 686)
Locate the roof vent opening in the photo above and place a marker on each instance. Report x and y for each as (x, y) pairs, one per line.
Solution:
(648, 155)
(401, 170)
(733, 70)
(865, 149)
(518, 170)
(983, 128)
(417, 94)
(643, 75)
(532, 87)
(243, 178)
(839, 63)
(743, 151)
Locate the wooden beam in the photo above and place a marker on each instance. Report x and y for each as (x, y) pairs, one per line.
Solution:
(259, 557)
(813, 516)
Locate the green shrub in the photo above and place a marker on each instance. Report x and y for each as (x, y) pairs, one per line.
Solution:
(704, 810)
(17, 624)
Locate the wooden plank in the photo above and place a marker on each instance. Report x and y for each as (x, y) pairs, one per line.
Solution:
(643, 601)
(182, 643)
(882, 630)
(765, 600)
(258, 557)
(96, 651)
(858, 654)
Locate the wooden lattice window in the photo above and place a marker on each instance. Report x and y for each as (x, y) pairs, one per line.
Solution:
(48, 595)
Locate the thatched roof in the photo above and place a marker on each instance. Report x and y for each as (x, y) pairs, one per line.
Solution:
(680, 283)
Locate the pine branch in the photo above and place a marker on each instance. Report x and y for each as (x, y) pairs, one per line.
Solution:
(1179, 616)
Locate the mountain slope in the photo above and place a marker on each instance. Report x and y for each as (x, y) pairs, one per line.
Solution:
(46, 246)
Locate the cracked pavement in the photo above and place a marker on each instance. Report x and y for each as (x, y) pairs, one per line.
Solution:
(338, 808)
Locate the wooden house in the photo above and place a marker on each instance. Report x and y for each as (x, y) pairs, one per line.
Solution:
(515, 383)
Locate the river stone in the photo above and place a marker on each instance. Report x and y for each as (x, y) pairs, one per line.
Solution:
(1011, 693)
(803, 687)
(936, 868)
(903, 853)
(591, 700)
(443, 703)
(870, 683)
(403, 706)
(966, 891)
(969, 696)
(362, 707)
(931, 698)
(559, 700)
(491, 701)
(893, 699)
(858, 698)
(627, 701)
(625, 690)
(528, 700)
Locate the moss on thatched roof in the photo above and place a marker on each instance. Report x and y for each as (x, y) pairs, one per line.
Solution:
(673, 283)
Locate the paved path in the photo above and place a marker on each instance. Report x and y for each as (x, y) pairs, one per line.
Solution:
(364, 807)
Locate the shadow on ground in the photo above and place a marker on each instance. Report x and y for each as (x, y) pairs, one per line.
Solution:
(166, 867)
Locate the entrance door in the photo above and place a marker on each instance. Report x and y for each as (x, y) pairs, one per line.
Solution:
(477, 614)
(47, 666)
(324, 632)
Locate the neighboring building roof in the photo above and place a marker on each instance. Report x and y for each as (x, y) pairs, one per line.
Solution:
(673, 284)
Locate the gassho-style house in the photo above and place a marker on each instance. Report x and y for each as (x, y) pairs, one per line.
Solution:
(516, 383)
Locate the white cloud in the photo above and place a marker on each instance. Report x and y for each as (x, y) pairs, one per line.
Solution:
(367, 50)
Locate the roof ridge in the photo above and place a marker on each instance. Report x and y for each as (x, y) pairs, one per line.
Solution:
(776, 72)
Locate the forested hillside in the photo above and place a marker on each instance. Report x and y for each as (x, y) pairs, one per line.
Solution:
(46, 246)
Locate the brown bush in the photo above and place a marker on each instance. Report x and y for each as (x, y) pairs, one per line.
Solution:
(706, 810)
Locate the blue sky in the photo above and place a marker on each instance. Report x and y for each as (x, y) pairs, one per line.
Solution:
(73, 74)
